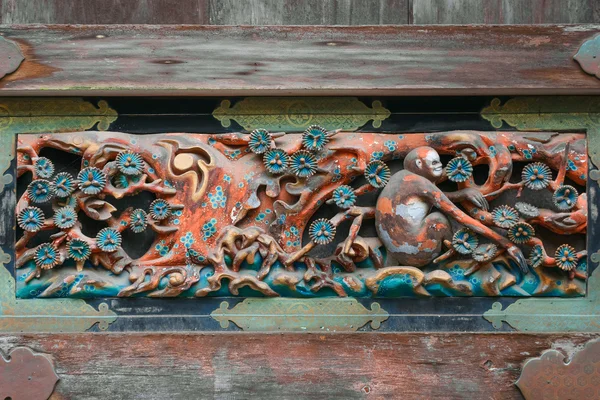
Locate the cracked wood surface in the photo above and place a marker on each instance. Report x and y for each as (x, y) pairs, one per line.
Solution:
(291, 366)
(311, 60)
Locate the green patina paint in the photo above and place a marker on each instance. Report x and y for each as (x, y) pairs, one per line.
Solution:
(300, 315)
(45, 115)
(298, 113)
(553, 113)
(34, 115)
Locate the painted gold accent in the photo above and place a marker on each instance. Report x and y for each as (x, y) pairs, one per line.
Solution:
(300, 315)
(298, 113)
(36, 115)
(553, 113)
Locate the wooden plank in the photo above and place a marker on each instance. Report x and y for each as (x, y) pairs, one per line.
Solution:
(505, 12)
(104, 12)
(224, 61)
(311, 12)
(334, 366)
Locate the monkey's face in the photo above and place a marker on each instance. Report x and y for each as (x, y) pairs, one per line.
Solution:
(432, 165)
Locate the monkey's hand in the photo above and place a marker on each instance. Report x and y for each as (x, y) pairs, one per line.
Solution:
(471, 195)
(515, 253)
(476, 198)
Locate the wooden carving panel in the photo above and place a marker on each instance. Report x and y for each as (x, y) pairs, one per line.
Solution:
(319, 213)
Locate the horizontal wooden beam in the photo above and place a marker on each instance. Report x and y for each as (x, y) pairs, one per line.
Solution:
(311, 60)
(326, 366)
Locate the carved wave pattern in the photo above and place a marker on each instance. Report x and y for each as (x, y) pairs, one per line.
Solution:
(322, 213)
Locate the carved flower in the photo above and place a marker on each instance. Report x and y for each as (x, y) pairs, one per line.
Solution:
(459, 169)
(464, 241)
(44, 168)
(505, 216)
(344, 196)
(303, 164)
(160, 209)
(40, 191)
(79, 250)
(565, 197)
(566, 257)
(91, 180)
(31, 219)
(527, 210)
(536, 256)
(314, 138)
(130, 163)
(536, 176)
(108, 240)
(521, 232)
(485, 252)
(276, 161)
(260, 141)
(65, 217)
(46, 256)
(321, 231)
(377, 174)
(139, 221)
(64, 184)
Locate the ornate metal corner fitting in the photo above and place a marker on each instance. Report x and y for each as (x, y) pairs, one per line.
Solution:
(52, 315)
(553, 113)
(300, 315)
(25, 375)
(38, 115)
(10, 57)
(298, 113)
(550, 377)
(588, 56)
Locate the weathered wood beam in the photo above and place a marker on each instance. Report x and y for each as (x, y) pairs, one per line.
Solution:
(327, 366)
(370, 60)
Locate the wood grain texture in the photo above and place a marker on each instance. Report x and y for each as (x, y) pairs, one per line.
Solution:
(224, 61)
(104, 12)
(335, 366)
(505, 11)
(308, 12)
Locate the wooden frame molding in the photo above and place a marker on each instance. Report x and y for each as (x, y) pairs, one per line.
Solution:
(135, 60)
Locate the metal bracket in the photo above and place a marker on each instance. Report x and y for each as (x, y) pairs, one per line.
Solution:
(10, 57)
(551, 376)
(25, 375)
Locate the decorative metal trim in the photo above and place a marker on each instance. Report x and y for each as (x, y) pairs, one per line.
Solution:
(37, 115)
(550, 376)
(41, 115)
(46, 315)
(26, 375)
(553, 113)
(299, 113)
(10, 57)
(588, 56)
(300, 315)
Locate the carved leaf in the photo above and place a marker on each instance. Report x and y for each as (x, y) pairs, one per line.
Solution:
(99, 210)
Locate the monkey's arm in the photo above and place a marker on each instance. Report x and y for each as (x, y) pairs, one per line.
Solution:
(443, 203)
(471, 195)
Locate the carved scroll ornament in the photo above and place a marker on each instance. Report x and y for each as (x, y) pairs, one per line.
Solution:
(273, 214)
